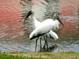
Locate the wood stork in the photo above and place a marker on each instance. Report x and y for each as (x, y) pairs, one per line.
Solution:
(45, 27)
(50, 34)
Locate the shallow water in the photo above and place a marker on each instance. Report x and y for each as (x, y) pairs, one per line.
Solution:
(68, 39)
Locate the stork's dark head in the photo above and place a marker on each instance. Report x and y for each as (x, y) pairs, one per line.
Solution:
(28, 14)
(56, 17)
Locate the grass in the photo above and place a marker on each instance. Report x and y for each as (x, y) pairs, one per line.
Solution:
(39, 55)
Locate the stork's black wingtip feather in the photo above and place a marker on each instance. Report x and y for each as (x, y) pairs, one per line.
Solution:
(30, 39)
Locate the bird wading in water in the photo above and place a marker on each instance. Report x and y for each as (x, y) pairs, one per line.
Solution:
(45, 28)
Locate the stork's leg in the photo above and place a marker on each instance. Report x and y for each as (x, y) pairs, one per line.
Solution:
(40, 42)
(45, 47)
(46, 42)
(36, 43)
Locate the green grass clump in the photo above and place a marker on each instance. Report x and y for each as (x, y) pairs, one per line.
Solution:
(42, 55)
(9, 56)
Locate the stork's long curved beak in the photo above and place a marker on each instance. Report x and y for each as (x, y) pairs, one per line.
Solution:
(58, 18)
(56, 15)
(28, 14)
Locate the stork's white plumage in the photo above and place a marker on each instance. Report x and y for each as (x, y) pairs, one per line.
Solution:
(53, 35)
(45, 27)
(36, 22)
(50, 33)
